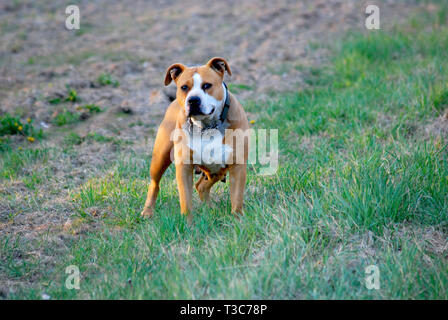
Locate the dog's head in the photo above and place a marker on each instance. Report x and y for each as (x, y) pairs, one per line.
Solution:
(200, 90)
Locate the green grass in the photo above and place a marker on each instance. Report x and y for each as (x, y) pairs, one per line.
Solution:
(70, 96)
(73, 138)
(91, 108)
(15, 162)
(105, 79)
(238, 87)
(28, 166)
(66, 117)
(11, 125)
(359, 183)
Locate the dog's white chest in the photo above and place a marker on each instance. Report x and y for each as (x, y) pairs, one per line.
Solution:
(209, 150)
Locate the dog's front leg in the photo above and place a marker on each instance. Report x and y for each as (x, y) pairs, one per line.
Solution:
(237, 177)
(159, 163)
(184, 177)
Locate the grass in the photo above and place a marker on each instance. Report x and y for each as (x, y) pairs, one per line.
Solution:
(73, 138)
(358, 184)
(91, 108)
(14, 162)
(238, 87)
(26, 165)
(70, 96)
(11, 125)
(105, 79)
(66, 117)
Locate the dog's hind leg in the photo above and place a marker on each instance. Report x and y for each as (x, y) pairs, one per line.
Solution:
(205, 184)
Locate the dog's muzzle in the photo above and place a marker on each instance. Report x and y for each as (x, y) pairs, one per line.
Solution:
(194, 106)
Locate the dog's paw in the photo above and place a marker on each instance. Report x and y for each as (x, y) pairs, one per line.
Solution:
(147, 212)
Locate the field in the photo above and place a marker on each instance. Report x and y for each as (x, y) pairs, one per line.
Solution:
(362, 179)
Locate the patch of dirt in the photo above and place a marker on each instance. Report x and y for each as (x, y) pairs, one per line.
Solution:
(438, 127)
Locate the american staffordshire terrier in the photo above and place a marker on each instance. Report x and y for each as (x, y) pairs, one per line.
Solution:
(204, 130)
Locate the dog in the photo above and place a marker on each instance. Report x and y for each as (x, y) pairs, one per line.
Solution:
(203, 108)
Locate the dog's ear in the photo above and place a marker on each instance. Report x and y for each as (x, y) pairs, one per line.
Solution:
(173, 72)
(220, 65)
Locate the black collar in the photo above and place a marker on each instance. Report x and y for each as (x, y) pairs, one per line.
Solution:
(225, 109)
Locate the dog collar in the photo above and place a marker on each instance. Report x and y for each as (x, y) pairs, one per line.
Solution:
(225, 109)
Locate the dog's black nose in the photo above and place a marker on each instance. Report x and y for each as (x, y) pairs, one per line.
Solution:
(194, 101)
(194, 104)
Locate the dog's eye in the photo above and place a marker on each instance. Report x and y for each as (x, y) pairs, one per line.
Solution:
(206, 86)
(184, 87)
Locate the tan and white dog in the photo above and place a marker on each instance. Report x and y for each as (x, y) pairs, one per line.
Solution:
(204, 130)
